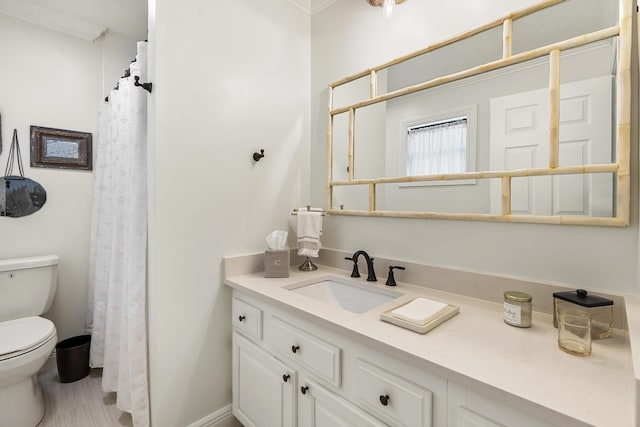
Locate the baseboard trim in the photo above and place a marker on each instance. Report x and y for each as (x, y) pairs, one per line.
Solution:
(216, 419)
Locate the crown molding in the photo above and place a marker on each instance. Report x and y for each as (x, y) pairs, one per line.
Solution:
(318, 5)
(53, 19)
(312, 6)
(304, 5)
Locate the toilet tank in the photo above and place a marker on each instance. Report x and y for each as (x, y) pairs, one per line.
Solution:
(27, 286)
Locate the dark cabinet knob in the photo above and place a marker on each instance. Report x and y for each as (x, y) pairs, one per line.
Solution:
(286, 377)
(384, 400)
(241, 318)
(304, 389)
(295, 348)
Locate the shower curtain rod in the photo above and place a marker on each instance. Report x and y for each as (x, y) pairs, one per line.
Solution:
(127, 73)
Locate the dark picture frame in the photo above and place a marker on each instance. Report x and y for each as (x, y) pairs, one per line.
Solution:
(59, 148)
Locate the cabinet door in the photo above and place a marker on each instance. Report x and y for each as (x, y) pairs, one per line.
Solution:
(263, 387)
(321, 408)
(246, 318)
(470, 409)
(314, 353)
(392, 397)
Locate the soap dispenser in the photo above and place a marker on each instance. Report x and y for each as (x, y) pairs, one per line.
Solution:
(598, 309)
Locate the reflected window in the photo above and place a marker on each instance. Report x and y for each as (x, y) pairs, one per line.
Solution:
(443, 143)
(437, 148)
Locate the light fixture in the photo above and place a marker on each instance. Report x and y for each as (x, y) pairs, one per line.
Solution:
(387, 5)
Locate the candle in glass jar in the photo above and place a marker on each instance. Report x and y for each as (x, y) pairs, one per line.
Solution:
(517, 309)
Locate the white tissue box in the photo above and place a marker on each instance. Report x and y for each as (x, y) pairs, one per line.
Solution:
(276, 263)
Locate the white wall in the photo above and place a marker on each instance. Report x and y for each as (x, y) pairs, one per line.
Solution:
(50, 79)
(230, 78)
(54, 80)
(350, 36)
(118, 52)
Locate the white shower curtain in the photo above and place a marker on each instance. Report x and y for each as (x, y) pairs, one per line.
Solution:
(117, 316)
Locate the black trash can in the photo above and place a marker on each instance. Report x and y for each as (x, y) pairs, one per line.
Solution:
(72, 358)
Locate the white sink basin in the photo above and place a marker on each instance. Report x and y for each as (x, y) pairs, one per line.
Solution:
(345, 294)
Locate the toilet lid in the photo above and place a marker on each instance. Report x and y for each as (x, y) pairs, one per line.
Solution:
(22, 335)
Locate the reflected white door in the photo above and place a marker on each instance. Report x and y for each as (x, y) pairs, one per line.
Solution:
(520, 140)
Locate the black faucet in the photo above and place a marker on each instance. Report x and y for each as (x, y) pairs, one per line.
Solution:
(371, 274)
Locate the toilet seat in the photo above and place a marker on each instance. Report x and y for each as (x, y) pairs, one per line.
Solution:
(21, 336)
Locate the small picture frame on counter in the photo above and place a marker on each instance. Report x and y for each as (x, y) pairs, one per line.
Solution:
(276, 263)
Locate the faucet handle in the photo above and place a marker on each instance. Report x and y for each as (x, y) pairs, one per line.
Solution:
(391, 280)
(355, 272)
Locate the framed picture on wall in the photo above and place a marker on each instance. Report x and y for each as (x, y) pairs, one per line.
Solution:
(58, 148)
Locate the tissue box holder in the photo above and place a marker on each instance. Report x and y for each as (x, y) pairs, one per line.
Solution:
(276, 263)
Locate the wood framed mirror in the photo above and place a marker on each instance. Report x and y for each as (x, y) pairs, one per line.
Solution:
(508, 123)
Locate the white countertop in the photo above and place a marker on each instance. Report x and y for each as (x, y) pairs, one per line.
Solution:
(476, 349)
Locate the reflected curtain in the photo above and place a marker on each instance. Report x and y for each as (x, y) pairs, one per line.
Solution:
(117, 317)
(437, 149)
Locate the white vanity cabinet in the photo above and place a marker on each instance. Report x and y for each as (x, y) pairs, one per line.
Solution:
(332, 380)
(472, 371)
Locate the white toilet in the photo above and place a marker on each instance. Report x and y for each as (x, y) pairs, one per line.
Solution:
(27, 287)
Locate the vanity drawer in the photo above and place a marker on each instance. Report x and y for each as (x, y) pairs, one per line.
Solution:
(247, 318)
(391, 397)
(319, 356)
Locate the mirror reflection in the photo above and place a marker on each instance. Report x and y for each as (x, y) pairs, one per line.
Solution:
(498, 120)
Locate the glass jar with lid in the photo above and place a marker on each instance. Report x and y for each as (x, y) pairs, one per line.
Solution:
(599, 309)
(517, 309)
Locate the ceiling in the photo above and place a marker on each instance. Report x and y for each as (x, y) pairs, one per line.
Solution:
(89, 19)
(125, 17)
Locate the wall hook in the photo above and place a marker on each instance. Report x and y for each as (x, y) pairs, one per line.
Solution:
(257, 156)
(145, 86)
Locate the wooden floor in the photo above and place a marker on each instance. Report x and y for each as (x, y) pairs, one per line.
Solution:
(78, 404)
